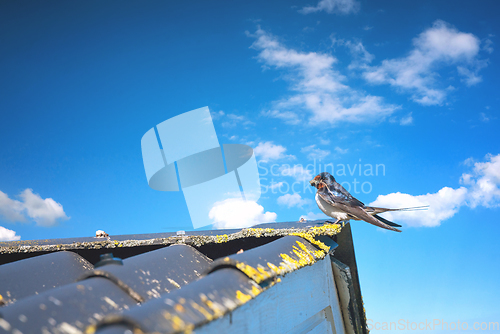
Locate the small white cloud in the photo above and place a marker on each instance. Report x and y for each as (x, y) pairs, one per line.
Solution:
(8, 235)
(314, 216)
(483, 117)
(217, 114)
(238, 213)
(484, 182)
(470, 78)
(315, 153)
(324, 141)
(439, 46)
(366, 28)
(341, 150)
(488, 45)
(276, 185)
(361, 57)
(298, 172)
(268, 151)
(406, 120)
(292, 200)
(10, 209)
(45, 212)
(333, 6)
(287, 116)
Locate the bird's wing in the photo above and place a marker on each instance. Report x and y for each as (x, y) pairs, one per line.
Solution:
(349, 207)
(338, 194)
(360, 213)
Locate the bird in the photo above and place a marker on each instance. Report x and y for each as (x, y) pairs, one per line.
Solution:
(338, 203)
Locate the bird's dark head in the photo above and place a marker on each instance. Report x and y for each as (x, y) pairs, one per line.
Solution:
(322, 179)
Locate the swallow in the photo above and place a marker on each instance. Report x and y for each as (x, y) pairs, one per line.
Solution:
(338, 203)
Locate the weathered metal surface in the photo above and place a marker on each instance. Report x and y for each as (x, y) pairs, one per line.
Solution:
(183, 310)
(345, 254)
(193, 238)
(108, 303)
(155, 273)
(35, 275)
(263, 264)
(67, 309)
(305, 300)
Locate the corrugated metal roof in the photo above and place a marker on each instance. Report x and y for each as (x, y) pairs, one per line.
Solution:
(165, 283)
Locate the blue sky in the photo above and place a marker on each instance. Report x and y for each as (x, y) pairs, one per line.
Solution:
(410, 86)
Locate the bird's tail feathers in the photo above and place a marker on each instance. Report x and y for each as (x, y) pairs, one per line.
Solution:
(414, 208)
(387, 222)
(375, 210)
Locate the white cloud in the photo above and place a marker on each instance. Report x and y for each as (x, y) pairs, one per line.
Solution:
(8, 235)
(292, 200)
(333, 6)
(484, 182)
(287, 116)
(10, 209)
(298, 172)
(341, 150)
(488, 45)
(319, 93)
(45, 212)
(439, 46)
(324, 141)
(217, 114)
(360, 55)
(481, 187)
(276, 185)
(483, 117)
(314, 216)
(269, 151)
(406, 120)
(315, 153)
(442, 205)
(238, 213)
(233, 120)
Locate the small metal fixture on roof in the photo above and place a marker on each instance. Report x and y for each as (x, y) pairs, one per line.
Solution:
(101, 234)
(108, 259)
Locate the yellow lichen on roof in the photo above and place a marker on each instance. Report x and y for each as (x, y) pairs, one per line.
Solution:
(258, 275)
(221, 238)
(243, 298)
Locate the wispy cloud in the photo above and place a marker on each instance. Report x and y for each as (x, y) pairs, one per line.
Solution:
(230, 120)
(315, 153)
(484, 182)
(298, 172)
(406, 120)
(333, 6)
(8, 235)
(439, 46)
(239, 213)
(45, 212)
(292, 200)
(360, 56)
(268, 151)
(319, 92)
(341, 150)
(481, 187)
(483, 117)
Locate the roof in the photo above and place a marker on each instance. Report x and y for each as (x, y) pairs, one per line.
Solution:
(165, 282)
